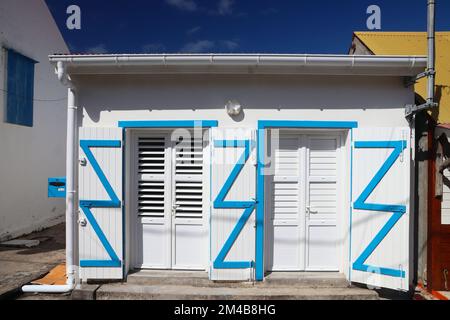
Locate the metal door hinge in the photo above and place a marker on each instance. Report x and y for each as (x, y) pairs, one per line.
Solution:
(82, 222)
(83, 162)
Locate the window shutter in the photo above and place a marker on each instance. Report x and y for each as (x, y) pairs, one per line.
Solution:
(189, 177)
(20, 89)
(151, 176)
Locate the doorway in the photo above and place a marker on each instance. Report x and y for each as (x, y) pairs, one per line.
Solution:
(170, 199)
(303, 217)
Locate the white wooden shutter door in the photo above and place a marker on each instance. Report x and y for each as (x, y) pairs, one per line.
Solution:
(189, 236)
(284, 228)
(322, 203)
(381, 207)
(233, 204)
(153, 201)
(100, 195)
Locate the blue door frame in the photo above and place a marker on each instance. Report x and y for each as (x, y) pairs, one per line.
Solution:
(260, 177)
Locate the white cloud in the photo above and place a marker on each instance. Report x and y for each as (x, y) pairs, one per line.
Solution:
(185, 5)
(225, 7)
(193, 30)
(98, 49)
(229, 45)
(153, 47)
(198, 46)
(202, 46)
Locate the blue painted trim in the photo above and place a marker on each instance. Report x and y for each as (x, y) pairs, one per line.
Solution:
(85, 146)
(98, 231)
(87, 205)
(397, 210)
(351, 209)
(210, 203)
(169, 124)
(124, 148)
(360, 202)
(100, 264)
(219, 262)
(259, 254)
(220, 203)
(263, 124)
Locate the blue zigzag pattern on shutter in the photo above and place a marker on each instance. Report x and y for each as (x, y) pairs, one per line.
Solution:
(221, 203)
(87, 205)
(397, 210)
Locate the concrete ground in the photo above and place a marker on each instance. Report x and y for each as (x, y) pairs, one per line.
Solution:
(19, 266)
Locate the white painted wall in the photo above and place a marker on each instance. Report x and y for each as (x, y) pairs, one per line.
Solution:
(28, 156)
(373, 101)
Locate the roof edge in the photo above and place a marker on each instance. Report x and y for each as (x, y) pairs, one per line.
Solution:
(401, 65)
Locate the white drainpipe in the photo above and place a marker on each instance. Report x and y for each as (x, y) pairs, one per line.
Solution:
(70, 192)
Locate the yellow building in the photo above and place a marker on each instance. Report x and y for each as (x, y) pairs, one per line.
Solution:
(413, 43)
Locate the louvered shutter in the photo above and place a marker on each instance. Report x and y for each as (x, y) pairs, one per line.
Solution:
(322, 203)
(189, 177)
(190, 192)
(283, 228)
(151, 176)
(153, 199)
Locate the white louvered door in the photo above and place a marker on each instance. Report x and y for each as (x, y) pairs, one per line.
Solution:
(153, 236)
(285, 227)
(171, 229)
(189, 234)
(302, 227)
(322, 161)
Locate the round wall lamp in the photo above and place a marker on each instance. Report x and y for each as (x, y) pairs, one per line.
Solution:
(233, 108)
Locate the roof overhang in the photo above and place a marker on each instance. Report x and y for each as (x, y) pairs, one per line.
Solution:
(241, 64)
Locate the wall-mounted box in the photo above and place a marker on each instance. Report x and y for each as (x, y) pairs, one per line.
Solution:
(57, 187)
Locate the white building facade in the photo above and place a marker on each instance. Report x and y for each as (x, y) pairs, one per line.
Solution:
(31, 121)
(241, 165)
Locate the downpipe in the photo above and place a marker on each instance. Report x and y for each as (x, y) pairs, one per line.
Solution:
(70, 193)
(430, 73)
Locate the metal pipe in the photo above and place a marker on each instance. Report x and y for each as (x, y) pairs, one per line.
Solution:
(431, 50)
(70, 201)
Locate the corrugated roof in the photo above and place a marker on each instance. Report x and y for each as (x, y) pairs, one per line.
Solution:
(415, 43)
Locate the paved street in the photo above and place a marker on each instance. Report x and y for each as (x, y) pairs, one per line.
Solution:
(19, 266)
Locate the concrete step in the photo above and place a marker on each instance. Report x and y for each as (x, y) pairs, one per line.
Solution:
(124, 291)
(200, 279)
(172, 277)
(305, 280)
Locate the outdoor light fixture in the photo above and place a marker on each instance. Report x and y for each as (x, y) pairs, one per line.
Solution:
(233, 108)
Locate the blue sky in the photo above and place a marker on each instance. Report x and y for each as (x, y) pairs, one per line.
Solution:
(245, 26)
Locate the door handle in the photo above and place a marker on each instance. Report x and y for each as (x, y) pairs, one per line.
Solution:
(174, 208)
(309, 211)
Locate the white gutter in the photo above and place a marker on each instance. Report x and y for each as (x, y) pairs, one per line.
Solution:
(243, 60)
(70, 193)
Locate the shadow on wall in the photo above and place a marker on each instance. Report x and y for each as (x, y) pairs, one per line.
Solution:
(106, 93)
